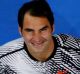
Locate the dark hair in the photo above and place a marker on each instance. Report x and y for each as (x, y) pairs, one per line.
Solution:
(39, 8)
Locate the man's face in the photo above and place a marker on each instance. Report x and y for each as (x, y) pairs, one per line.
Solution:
(37, 33)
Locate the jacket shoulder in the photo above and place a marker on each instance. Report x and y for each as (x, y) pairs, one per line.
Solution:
(69, 41)
(11, 46)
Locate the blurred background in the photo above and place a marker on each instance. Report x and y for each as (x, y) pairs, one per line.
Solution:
(66, 14)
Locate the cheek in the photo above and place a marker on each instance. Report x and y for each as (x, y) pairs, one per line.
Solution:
(47, 34)
(27, 37)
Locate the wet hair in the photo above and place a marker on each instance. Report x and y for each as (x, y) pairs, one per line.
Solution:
(39, 8)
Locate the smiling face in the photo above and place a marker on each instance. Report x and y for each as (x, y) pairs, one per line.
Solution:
(37, 33)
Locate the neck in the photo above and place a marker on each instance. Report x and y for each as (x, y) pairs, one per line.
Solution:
(42, 56)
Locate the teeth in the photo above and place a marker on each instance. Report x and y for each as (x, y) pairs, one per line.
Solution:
(37, 44)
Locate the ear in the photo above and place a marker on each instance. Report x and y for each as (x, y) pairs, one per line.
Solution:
(20, 31)
(53, 28)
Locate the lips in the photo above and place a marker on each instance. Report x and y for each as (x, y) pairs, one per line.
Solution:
(38, 44)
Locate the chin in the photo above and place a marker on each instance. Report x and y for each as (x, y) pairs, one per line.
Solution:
(38, 50)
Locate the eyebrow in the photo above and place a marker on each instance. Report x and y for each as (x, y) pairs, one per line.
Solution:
(28, 29)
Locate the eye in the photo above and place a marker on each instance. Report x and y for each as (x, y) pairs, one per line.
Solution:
(28, 30)
(44, 28)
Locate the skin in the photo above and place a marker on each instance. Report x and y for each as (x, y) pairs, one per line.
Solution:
(37, 34)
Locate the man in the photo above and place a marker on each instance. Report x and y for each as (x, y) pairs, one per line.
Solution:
(38, 52)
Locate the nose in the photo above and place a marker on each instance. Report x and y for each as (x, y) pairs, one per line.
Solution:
(37, 37)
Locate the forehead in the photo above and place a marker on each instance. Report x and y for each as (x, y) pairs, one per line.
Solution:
(34, 22)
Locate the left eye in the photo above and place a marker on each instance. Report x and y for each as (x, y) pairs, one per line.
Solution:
(44, 29)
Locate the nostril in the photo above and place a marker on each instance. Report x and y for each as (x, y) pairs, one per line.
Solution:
(37, 39)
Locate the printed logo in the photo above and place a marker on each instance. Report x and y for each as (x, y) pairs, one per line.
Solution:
(62, 72)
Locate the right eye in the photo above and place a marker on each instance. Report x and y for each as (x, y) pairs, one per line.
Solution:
(28, 30)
